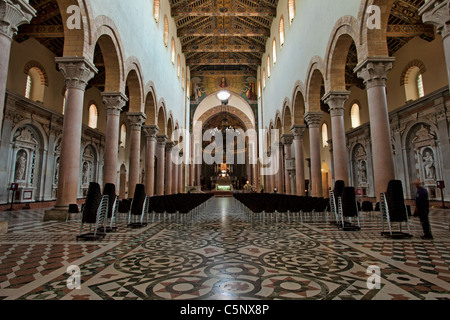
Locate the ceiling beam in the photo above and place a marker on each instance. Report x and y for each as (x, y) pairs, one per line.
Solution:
(247, 32)
(224, 48)
(222, 62)
(409, 31)
(238, 11)
(226, 73)
(42, 31)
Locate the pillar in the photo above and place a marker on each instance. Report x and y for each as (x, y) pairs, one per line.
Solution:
(77, 72)
(160, 153)
(336, 101)
(180, 175)
(174, 167)
(114, 102)
(280, 173)
(192, 161)
(13, 13)
(150, 147)
(136, 120)
(313, 119)
(287, 140)
(437, 13)
(298, 131)
(169, 167)
(374, 73)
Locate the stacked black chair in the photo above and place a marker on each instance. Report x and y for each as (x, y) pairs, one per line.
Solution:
(113, 207)
(348, 208)
(94, 212)
(335, 195)
(393, 209)
(139, 208)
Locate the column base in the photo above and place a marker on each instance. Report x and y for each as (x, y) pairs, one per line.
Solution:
(56, 214)
(3, 227)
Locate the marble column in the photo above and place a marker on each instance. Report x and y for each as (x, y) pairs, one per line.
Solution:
(180, 175)
(268, 177)
(374, 73)
(161, 155)
(114, 102)
(280, 173)
(313, 119)
(192, 161)
(169, 168)
(437, 13)
(336, 101)
(136, 120)
(13, 13)
(150, 147)
(77, 72)
(298, 131)
(175, 165)
(287, 140)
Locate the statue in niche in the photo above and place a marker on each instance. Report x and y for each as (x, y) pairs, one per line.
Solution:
(428, 164)
(85, 175)
(56, 178)
(21, 165)
(362, 172)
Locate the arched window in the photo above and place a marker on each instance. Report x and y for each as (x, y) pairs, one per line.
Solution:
(188, 89)
(274, 50)
(259, 89)
(28, 87)
(156, 10)
(123, 136)
(324, 135)
(355, 115)
(291, 9)
(183, 78)
(64, 103)
(172, 54)
(420, 88)
(93, 116)
(35, 85)
(178, 66)
(166, 31)
(264, 78)
(281, 31)
(268, 67)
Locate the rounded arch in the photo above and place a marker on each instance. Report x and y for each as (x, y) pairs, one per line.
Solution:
(416, 63)
(37, 128)
(150, 103)
(343, 35)
(205, 117)
(134, 83)
(170, 126)
(373, 42)
(316, 72)
(278, 124)
(298, 103)
(33, 64)
(287, 116)
(162, 116)
(108, 38)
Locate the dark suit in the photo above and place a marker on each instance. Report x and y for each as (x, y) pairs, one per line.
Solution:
(423, 210)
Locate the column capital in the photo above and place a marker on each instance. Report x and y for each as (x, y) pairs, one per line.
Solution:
(336, 101)
(14, 13)
(161, 139)
(313, 119)
(169, 146)
(114, 102)
(437, 13)
(151, 131)
(77, 71)
(298, 131)
(136, 119)
(287, 139)
(374, 71)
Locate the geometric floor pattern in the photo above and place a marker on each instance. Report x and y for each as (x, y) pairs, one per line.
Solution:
(223, 254)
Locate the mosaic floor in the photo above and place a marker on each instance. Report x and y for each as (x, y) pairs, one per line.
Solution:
(222, 254)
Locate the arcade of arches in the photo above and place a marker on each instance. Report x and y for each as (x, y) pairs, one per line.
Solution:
(120, 97)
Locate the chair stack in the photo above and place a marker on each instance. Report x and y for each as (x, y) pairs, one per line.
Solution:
(94, 212)
(393, 210)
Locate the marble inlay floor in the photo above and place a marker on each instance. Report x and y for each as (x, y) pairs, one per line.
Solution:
(223, 253)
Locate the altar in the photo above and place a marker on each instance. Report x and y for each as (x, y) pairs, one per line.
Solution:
(223, 181)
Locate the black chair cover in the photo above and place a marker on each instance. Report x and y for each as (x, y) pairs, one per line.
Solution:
(110, 191)
(396, 201)
(349, 204)
(94, 197)
(138, 200)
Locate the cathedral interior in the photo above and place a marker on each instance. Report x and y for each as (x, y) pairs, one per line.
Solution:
(224, 149)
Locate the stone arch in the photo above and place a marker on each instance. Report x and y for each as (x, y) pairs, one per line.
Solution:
(33, 64)
(287, 116)
(77, 42)
(407, 70)
(343, 35)
(108, 38)
(373, 41)
(134, 82)
(316, 72)
(170, 125)
(279, 123)
(150, 103)
(298, 103)
(162, 116)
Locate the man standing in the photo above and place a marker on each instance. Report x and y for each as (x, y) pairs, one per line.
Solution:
(423, 209)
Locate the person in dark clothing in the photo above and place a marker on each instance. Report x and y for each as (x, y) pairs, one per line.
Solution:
(423, 209)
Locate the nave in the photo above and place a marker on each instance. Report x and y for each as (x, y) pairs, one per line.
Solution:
(222, 252)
